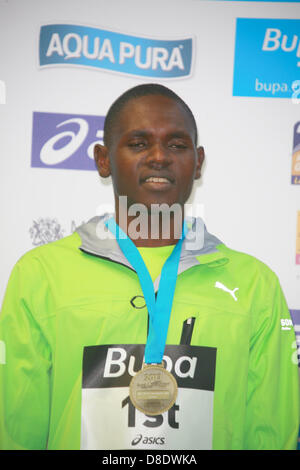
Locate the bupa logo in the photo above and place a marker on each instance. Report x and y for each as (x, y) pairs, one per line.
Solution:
(117, 364)
(65, 140)
(63, 44)
(267, 58)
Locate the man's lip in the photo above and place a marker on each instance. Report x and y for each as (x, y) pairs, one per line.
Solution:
(158, 179)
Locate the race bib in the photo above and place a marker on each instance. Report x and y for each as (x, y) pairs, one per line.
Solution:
(109, 420)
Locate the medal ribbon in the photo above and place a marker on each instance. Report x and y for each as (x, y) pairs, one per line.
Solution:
(159, 310)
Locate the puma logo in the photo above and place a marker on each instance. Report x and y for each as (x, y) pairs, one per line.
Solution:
(219, 285)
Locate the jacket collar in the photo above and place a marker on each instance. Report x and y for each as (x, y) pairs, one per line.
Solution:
(199, 246)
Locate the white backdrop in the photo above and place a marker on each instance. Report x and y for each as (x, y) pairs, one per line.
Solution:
(246, 191)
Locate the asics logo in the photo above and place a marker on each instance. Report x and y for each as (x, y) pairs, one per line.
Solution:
(219, 285)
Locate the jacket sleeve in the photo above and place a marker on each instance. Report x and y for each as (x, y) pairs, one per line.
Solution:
(272, 412)
(24, 366)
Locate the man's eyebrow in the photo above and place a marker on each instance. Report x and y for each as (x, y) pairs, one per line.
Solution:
(179, 134)
(138, 133)
(170, 135)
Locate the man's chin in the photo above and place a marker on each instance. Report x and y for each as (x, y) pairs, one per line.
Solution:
(148, 206)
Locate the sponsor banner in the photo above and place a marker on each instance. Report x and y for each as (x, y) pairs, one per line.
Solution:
(65, 140)
(267, 58)
(296, 155)
(65, 44)
(295, 315)
(298, 239)
(106, 406)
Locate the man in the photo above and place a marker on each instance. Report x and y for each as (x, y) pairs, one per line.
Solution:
(78, 313)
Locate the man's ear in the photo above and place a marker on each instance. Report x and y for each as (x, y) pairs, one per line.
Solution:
(102, 160)
(200, 160)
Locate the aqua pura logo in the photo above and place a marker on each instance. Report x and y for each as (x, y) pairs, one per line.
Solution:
(267, 58)
(64, 44)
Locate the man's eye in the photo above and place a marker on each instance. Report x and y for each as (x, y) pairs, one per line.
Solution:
(178, 145)
(137, 144)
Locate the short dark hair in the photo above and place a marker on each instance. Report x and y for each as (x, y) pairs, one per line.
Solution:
(137, 92)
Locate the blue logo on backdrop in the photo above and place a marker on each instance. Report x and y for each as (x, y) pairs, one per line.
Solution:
(65, 140)
(63, 44)
(267, 58)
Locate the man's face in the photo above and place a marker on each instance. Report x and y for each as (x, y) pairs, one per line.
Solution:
(153, 158)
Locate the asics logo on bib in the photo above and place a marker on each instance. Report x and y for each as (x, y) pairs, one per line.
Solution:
(136, 440)
(148, 440)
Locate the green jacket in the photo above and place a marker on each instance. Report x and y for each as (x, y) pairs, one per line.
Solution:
(72, 332)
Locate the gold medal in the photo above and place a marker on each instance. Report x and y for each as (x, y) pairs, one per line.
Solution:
(153, 390)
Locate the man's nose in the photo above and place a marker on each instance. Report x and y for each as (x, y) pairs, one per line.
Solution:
(158, 155)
